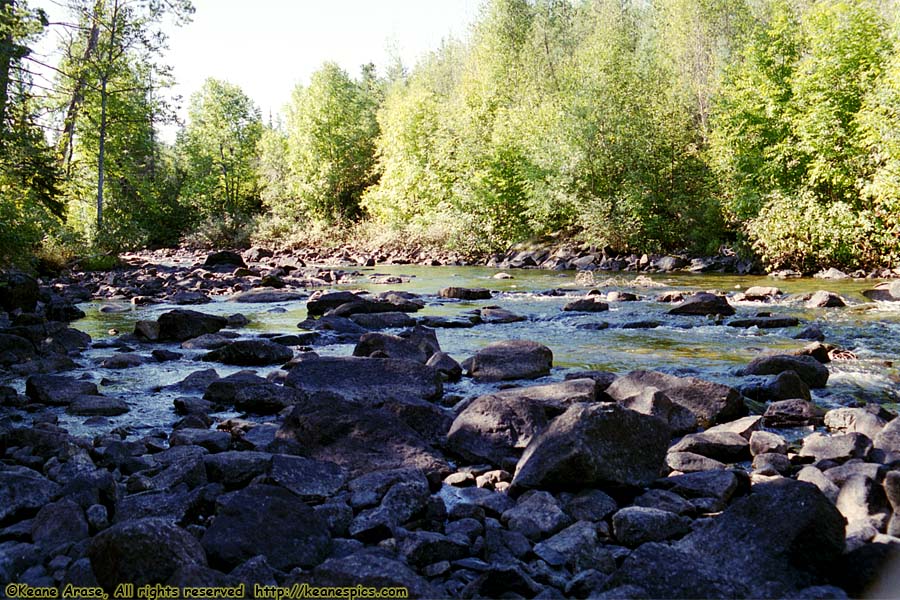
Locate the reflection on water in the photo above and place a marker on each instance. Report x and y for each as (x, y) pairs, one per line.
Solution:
(681, 345)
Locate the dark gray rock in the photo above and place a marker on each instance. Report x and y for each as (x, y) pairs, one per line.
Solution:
(493, 315)
(269, 521)
(421, 548)
(57, 390)
(359, 439)
(792, 413)
(185, 298)
(15, 349)
(688, 462)
(236, 469)
(594, 445)
(174, 506)
(465, 293)
(536, 515)
(764, 322)
(782, 538)
(179, 325)
(721, 446)
(576, 547)
(141, 552)
(703, 303)
(384, 345)
(446, 365)
(720, 485)
(370, 568)
(122, 360)
(511, 359)
(92, 406)
(497, 427)
(386, 320)
(590, 304)
(214, 441)
(810, 474)
(250, 353)
(23, 492)
(197, 381)
(784, 386)
(665, 500)
(651, 401)
(709, 402)
(207, 341)
(311, 480)
(811, 371)
(365, 380)
(18, 291)
(636, 525)
(590, 505)
(224, 257)
(841, 447)
(764, 442)
(59, 523)
(771, 463)
(262, 295)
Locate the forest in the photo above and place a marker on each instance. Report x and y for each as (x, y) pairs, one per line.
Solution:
(767, 127)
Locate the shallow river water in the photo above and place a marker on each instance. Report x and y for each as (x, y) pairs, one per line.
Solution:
(693, 346)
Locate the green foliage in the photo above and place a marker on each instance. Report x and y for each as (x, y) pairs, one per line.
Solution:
(218, 150)
(331, 129)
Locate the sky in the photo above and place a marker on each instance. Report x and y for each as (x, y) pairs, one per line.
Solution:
(268, 46)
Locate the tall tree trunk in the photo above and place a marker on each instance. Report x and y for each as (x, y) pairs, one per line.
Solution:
(101, 154)
(66, 140)
(6, 52)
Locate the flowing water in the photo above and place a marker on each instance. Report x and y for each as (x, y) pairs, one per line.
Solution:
(693, 346)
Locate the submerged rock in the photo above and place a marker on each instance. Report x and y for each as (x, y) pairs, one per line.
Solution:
(702, 304)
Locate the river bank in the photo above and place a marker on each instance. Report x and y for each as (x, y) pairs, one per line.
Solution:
(623, 436)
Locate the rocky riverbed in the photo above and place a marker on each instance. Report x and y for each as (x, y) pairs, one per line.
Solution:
(461, 441)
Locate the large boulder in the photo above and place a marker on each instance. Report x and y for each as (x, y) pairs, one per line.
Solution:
(824, 299)
(888, 439)
(18, 291)
(23, 492)
(251, 393)
(511, 359)
(142, 552)
(385, 345)
(704, 303)
(497, 427)
(588, 304)
(269, 521)
(372, 568)
(15, 349)
(321, 302)
(783, 537)
(465, 293)
(595, 444)
(360, 439)
(224, 257)
(709, 402)
(811, 371)
(57, 390)
(367, 381)
(250, 353)
(180, 324)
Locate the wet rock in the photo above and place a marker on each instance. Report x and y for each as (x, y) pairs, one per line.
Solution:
(224, 257)
(811, 332)
(589, 304)
(93, 406)
(236, 469)
(494, 315)
(57, 390)
(141, 552)
(792, 413)
(794, 536)
(214, 441)
(179, 325)
(764, 322)
(385, 320)
(823, 299)
(311, 480)
(207, 341)
(703, 303)
(389, 303)
(497, 427)
(536, 515)
(636, 525)
(839, 448)
(251, 393)
(784, 386)
(259, 296)
(360, 439)
(23, 492)
(811, 371)
(18, 291)
(721, 446)
(460, 322)
(858, 420)
(764, 442)
(594, 445)
(269, 521)
(162, 355)
(250, 353)
(365, 380)
(465, 293)
(511, 359)
(370, 568)
(709, 402)
(197, 381)
(321, 302)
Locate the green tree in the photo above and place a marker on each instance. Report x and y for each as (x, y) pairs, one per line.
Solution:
(218, 148)
(332, 128)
